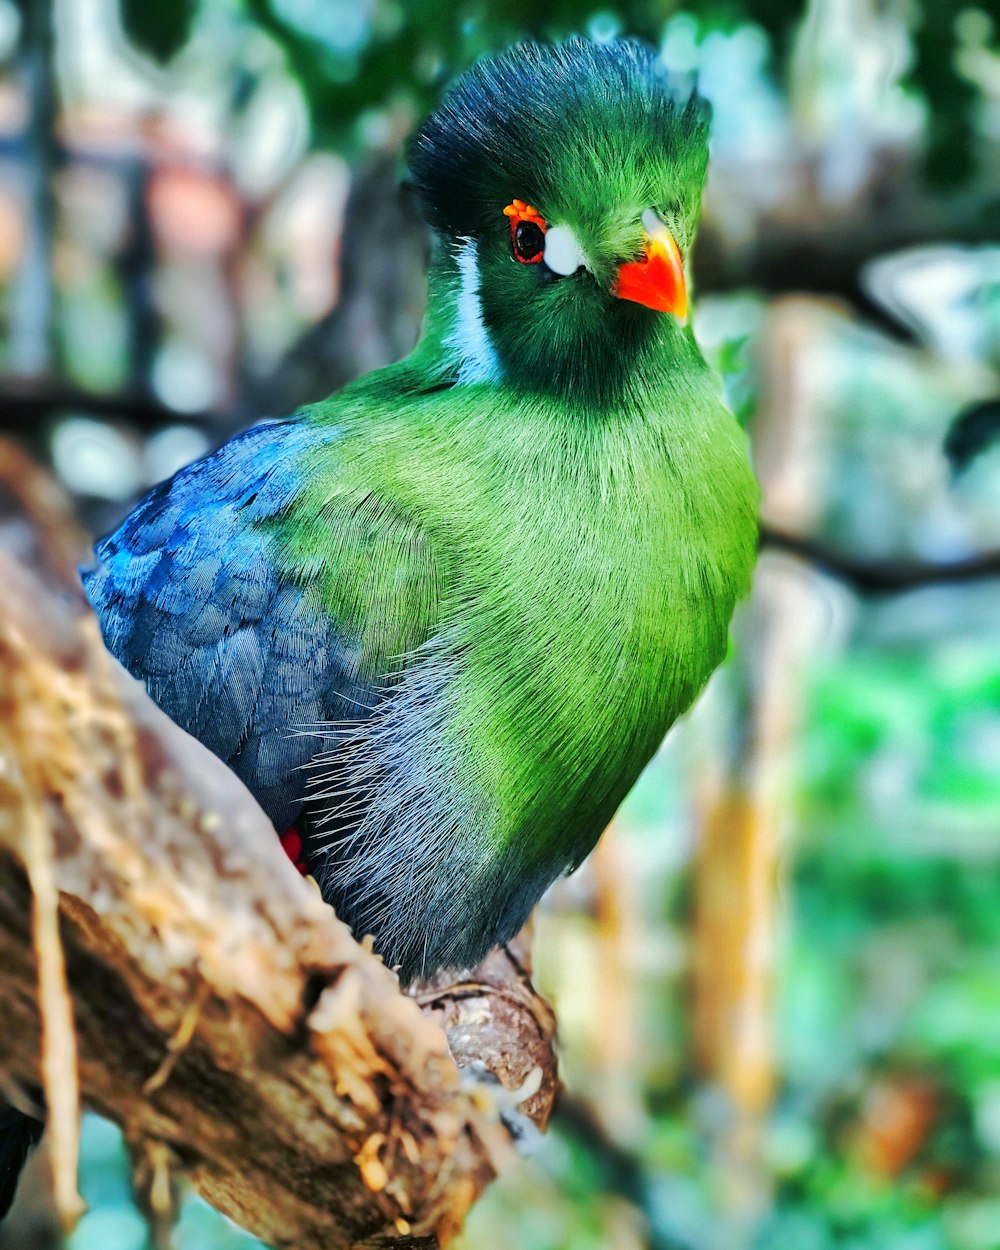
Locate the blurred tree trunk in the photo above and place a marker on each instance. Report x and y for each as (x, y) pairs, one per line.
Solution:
(383, 288)
(32, 301)
(742, 797)
(135, 264)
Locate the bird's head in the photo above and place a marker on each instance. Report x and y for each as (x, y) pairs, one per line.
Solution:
(564, 183)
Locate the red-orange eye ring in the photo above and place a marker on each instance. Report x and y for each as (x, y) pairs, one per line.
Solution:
(527, 232)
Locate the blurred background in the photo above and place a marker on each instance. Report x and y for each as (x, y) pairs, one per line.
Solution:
(778, 979)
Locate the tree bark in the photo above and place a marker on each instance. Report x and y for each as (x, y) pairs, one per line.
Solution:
(218, 1010)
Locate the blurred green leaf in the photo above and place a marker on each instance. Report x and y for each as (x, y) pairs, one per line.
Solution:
(159, 28)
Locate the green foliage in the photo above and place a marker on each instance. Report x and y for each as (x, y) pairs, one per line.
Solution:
(951, 97)
(158, 29)
(354, 59)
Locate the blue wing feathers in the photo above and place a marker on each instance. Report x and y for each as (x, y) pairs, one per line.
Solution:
(192, 602)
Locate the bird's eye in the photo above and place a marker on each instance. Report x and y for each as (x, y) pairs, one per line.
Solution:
(527, 232)
(529, 241)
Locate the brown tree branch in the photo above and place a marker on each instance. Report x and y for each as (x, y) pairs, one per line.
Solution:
(223, 1015)
(27, 400)
(879, 577)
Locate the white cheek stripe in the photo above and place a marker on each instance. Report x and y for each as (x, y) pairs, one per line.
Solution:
(469, 337)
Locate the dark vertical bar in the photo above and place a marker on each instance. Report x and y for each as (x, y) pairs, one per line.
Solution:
(136, 264)
(31, 324)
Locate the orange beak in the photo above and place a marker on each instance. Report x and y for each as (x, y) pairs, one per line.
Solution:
(658, 279)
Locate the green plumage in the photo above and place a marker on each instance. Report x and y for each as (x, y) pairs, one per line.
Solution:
(529, 537)
(540, 565)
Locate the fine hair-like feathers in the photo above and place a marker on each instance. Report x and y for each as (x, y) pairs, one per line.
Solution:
(544, 119)
(442, 620)
(593, 135)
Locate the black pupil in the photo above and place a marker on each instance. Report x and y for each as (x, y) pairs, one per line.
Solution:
(528, 240)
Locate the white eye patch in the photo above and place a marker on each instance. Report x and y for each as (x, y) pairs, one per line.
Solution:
(562, 252)
(651, 223)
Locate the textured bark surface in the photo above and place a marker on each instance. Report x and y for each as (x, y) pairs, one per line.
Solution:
(220, 1012)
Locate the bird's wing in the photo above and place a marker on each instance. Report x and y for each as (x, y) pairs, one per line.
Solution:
(191, 601)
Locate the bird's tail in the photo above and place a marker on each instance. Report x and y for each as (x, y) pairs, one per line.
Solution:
(18, 1134)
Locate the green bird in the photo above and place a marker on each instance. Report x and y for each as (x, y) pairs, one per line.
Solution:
(439, 622)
